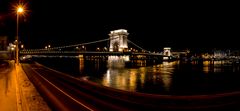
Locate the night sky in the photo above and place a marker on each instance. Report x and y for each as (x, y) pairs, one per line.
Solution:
(151, 25)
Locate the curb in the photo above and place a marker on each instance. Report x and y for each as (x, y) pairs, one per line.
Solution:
(21, 101)
(29, 99)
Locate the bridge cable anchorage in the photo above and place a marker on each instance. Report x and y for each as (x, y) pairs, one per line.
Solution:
(136, 45)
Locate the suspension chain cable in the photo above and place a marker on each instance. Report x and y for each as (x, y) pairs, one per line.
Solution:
(61, 47)
(87, 43)
(136, 45)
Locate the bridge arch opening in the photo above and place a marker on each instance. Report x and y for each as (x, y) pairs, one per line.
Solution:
(167, 51)
(115, 47)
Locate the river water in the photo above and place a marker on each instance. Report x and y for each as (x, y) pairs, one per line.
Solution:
(167, 78)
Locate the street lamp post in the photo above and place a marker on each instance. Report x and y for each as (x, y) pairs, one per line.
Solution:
(19, 11)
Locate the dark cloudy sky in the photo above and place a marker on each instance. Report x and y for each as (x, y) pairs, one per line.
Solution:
(151, 25)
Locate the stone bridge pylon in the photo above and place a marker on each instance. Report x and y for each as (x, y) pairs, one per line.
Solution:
(118, 40)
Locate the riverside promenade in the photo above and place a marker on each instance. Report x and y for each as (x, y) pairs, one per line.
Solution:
(17, 93)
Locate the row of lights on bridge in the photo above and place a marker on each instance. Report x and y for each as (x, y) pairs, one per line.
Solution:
(97, 49)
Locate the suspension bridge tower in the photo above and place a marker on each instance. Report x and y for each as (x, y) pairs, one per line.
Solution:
(118, 43)
(118, 40)
(167, 53)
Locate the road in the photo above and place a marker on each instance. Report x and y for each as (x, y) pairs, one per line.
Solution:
(58, 93)
(8, 100)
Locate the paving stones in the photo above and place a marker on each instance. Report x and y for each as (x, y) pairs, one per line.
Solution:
(31, 100)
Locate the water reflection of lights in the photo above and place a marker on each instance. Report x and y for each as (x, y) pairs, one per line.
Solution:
(163, 73)
(218, 66)
(166, 67)
(141, 62)
(116, 61)
(132, 80)
(117, 77)
(166, 71)
(167, 81)
(166, 63)
(142, 75)
(129, 79)
(107, 79)
(206, 66)
(81, 63)
(218, 62)
(125, 80)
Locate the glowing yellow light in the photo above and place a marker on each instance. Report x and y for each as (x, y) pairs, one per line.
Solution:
(20, 9)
